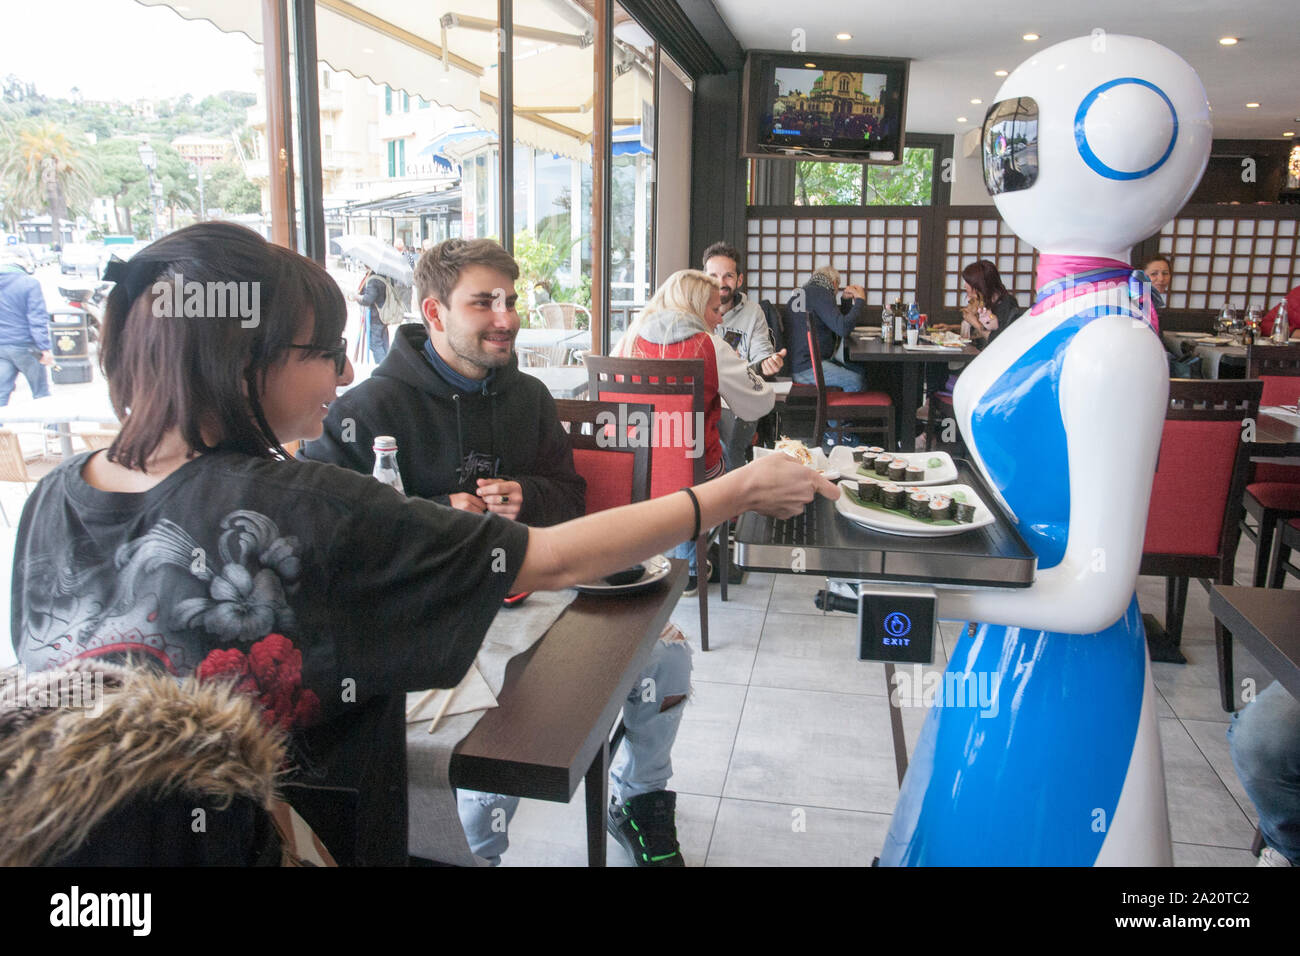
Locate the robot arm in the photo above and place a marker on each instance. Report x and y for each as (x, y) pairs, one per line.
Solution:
(1114, 390)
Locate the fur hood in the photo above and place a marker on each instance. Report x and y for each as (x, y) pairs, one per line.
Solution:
(79, 742)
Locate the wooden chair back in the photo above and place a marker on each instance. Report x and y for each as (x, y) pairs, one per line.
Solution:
(676, 389)
(611, 449)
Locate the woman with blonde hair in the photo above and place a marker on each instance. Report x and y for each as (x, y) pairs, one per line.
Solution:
(678, 323)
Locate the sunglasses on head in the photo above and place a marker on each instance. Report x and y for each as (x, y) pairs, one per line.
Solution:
(339, 353)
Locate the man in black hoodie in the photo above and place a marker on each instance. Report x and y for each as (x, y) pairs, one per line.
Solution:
(475, 433)
(472, 431)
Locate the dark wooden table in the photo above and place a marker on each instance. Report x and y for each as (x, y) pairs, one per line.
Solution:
(864, 346)
(560, 700)
(1267, 622)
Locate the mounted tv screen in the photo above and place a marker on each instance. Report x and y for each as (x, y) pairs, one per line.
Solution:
(843, 109)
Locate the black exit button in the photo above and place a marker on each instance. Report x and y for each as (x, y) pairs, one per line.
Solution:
(897, 626)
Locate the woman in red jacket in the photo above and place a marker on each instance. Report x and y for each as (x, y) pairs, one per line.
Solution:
(678, 323)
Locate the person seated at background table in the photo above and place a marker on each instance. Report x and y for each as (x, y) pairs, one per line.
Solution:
(1264, 739)
(477, 434)
(1161, 273)
(1292, 301)
(679, 322)
(989, 308)
(744, 327)
(193, 545)
(816, 302)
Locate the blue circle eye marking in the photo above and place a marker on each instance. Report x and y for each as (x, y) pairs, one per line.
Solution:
(897, 624)
(1081, 137)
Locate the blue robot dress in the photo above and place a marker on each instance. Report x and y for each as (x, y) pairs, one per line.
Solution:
(1056, 756)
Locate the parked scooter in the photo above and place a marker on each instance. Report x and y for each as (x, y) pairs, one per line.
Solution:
(92, 301)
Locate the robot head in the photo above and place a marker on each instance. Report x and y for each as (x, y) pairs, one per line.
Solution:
(1095, 143)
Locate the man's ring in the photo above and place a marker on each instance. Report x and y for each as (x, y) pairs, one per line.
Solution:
(505, 499)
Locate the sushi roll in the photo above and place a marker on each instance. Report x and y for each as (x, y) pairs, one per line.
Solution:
(940, 508)
(897, 469)
(882, 464)
(867, 464)
(875, 449)
(868, 491)
(918, 504)
(891, 496)
(859, 454)
(915, 473)
(963, 511)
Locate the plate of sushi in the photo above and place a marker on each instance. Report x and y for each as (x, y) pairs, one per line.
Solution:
(929, 512)
(912, 468)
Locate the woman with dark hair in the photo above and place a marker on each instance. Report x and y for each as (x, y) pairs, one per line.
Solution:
(191, 542)
(990, 308)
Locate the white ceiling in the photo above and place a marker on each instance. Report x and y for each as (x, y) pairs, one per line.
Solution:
(956, 45)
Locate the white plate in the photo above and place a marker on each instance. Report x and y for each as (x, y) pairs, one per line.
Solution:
(892, 523)
(946, 471)
(656, 569)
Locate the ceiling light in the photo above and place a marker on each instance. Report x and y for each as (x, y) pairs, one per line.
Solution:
(999, 72)
(844, 36)
(976, 102)
(961, 119)
(1227, 41)
(1030, 37)
(367, 49)
(1288, 133)
(1252, 106)
(811, 66)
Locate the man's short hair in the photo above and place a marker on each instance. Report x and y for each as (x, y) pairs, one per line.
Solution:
(722, 249)
(439, 269)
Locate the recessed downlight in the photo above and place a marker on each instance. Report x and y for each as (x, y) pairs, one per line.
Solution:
(1288, 133)
(1030, 37)
(844, 36)
(1227, 41)
(961, 119)
(1252, 106)
(999, 72)
(811, 66)
(976, 102)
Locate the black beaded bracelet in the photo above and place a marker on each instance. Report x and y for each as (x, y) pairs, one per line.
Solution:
(696, 503)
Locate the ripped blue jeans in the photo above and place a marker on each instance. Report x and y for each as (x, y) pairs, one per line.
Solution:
(643, 763)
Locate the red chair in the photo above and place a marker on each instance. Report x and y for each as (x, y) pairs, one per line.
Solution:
(677, 389)
(1273, 493)
(1196, 504)
(617, 472)
(867, 414)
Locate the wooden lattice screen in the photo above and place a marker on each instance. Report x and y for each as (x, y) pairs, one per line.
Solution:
(1241, 254)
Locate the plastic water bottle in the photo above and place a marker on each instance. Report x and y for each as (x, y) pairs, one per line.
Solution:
(385, 448)
(1281, 327)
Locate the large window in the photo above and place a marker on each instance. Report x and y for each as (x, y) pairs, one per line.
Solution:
(917, 181)
(631, 279)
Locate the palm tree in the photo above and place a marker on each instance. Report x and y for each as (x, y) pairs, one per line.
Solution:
(40, 167)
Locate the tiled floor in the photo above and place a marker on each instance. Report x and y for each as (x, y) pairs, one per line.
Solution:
(784, 756)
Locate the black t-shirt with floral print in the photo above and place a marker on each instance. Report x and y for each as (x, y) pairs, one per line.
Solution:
(320, 591)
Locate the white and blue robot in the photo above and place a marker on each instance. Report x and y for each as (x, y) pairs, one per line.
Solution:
(1092, 146)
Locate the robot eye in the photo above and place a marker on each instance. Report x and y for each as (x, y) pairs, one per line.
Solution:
(1010, 141)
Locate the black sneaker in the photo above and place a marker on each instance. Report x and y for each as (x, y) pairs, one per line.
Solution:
(646, 826)
(693, 583)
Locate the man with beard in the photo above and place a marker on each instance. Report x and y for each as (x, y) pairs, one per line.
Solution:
(477, 434)
(745, 329)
